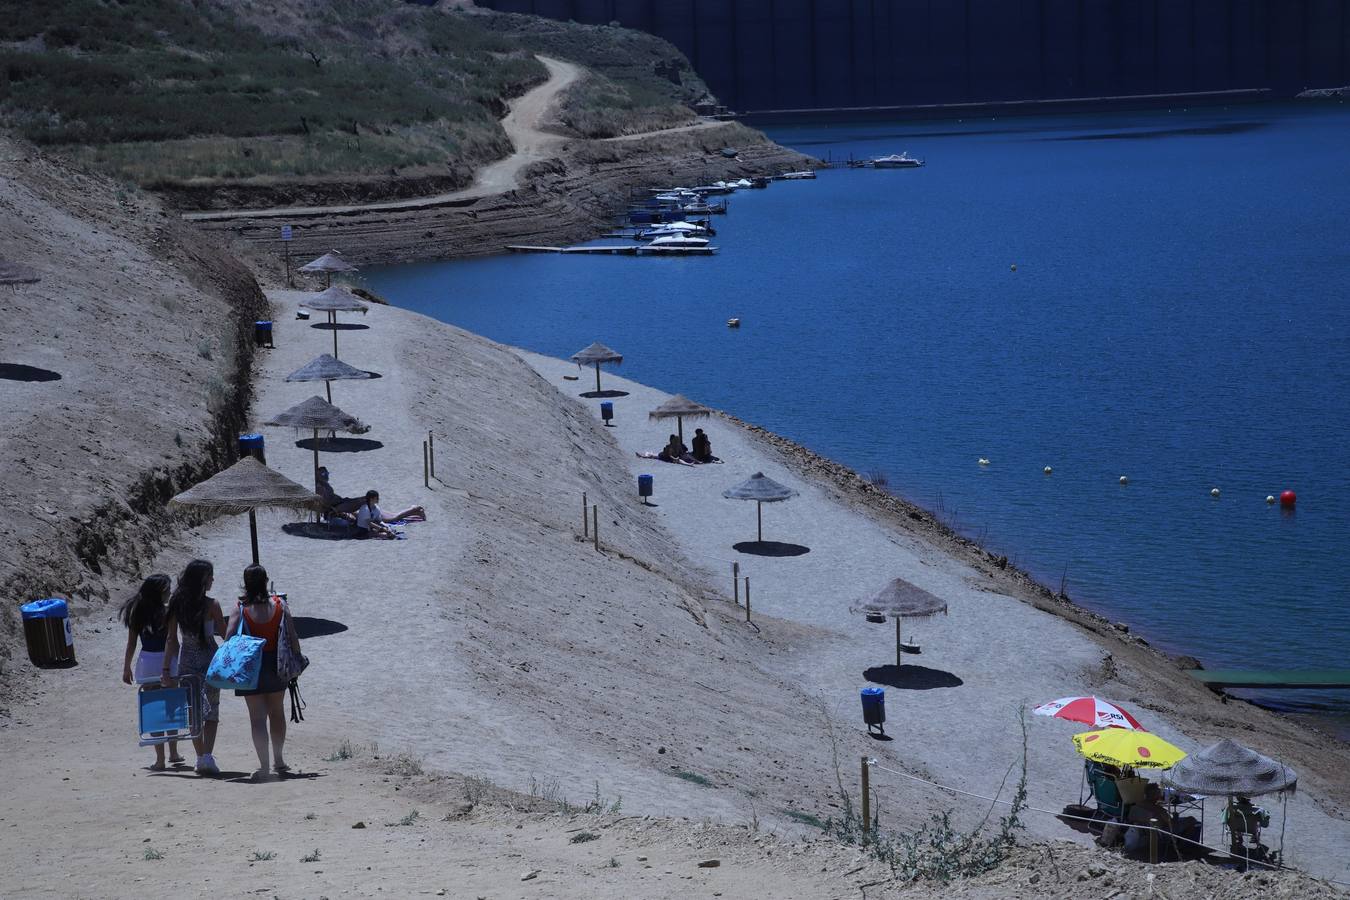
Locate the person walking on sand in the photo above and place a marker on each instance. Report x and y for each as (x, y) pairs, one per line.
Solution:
(198, 618)
(266, 617)
(144, 614)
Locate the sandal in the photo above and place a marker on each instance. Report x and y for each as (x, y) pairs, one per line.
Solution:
(281, 768)
(157, 767)
(177, 760)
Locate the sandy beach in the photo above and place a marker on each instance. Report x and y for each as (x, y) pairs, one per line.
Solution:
(496, 643)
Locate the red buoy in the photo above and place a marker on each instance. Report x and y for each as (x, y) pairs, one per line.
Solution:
(1288, 499)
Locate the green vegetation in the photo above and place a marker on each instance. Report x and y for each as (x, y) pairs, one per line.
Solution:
(311, 857)
(174, 92)
(692, 777)
(151, 854)
(582, 837)
(262, 856)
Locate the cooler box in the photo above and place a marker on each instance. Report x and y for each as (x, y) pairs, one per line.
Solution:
(170, 713)
(252, 445)
(874, 708)
(46, 630)
(645, 485)
(262, 333)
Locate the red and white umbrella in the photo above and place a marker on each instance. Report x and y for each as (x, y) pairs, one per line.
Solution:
(1090, 711)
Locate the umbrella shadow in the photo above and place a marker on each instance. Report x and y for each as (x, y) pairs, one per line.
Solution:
(319, 531)
(911, 678)
(372, 374)
(310, 627)
(770, 548)
(20, 372)
(340, 326)
(339, 444)
(604, 393)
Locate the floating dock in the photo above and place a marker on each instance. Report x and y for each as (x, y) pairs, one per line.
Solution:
(612, 251)
(1301, 679)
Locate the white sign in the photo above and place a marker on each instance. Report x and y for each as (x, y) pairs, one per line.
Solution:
(285, 232)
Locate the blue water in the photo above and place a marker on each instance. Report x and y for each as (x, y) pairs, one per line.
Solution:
(1179, 313)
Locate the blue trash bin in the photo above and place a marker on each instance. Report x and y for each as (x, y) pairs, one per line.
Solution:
(252, 445)
(262, 333)
(645, 483)
(874, 708)
(606, 411)
(46, 630)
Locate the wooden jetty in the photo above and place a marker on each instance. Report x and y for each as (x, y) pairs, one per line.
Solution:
(611, 251)
(1300, 679)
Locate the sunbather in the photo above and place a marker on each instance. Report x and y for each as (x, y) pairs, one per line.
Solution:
(370, 519)
(333, 503)
(675, 451)
(703, 448)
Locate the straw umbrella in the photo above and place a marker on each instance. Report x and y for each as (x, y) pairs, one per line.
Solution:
(248, 486)
(318, 414)
(329, 263)
(327, 368)
(1228, 769)
(596, 354)
(333, 301)
(900, 600)
(13, 274)
(680, 407)
(762, 489)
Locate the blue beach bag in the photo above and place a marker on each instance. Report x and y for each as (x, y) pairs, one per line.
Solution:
(238, 661)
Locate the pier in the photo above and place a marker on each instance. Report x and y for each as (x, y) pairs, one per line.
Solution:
(1301, 679)
(612, 251)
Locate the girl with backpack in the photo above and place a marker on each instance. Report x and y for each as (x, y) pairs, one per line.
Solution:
(145, 616)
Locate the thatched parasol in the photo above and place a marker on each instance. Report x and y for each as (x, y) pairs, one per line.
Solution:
(1230, 769)
(679, 408)
(333, 301)
(12, 273)
(248, 486)
(900, 600)
(318, 414)
(327, 368)
(762, 489)
(329, 263)
(594, 355)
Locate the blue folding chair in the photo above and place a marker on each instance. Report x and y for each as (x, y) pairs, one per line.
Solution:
(171, 713)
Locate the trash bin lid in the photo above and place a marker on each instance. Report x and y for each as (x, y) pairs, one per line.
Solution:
(873, 692)
(50, 608)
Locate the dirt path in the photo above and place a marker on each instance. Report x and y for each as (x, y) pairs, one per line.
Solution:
(523, 125)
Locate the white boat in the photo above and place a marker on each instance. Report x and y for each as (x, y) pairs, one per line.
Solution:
(743, 183)
(673, 229)
(679, 245)
(804, 175)
(896, 161)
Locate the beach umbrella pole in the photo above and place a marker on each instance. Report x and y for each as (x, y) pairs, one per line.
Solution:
(253, 533)
(332, 319)
(679, 423)
(759, 521)
(328, 389)
(597, 377)
(316, 457)
(897, 642)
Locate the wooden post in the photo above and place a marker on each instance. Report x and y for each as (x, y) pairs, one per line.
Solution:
(332, 320)
(585, 519)
(1153, 841)
(747, 598)
(897, 642)
(597, 378)
(426, 466)
(866, 798)
(289, 281)
(253, 533)
(736, 581)
(595, 525)
(759, 521)
(431, 446)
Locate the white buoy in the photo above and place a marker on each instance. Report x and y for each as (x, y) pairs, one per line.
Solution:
(1270, 498)
(1047, 470)
(1014, 267)
(1214, 492)
(983, 461)
(1124, 480)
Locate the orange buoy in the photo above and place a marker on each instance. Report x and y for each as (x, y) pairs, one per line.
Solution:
(1288, 499)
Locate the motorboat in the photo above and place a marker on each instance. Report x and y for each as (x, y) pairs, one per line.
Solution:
(896, 161)
(804, 175)
(679, 245)
(674, 229)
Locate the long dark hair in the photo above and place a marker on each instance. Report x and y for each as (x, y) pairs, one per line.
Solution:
(144, 610)
(255, 585)
(189, 603)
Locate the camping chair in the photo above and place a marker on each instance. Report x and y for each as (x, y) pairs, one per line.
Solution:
(170, 713)
(1243, 821)
(1102, 788)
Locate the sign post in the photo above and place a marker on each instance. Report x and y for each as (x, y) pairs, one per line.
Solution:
(286, 236)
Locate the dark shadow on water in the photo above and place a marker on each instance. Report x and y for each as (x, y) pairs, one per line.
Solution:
(310, 627)
(1221, 130)
(770, 548)
(20, 372)
(319, 531)
(911, 678)
(340, 326)
(603, 394)
(338, 444)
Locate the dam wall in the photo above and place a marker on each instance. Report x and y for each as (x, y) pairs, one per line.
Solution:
(763, 55)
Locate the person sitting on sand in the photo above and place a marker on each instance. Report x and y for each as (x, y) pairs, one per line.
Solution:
(370, 519)
(675, 452)
(703, 448)
(145, 617)
(333, 504)
(1152, 812)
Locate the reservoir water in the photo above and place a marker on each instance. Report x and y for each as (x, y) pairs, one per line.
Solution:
(1179, 314)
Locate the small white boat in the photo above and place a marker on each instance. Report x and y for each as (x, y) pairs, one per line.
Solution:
(804, 175)
(743, 183)
(896, 161)
(677, 245)
(673, 229)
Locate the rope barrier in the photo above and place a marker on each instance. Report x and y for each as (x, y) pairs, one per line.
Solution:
(872, 763)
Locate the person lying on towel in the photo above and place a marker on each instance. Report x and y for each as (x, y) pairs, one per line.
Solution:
(372, 521)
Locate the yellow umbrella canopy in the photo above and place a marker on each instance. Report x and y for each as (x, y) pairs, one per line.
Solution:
(1128, 749)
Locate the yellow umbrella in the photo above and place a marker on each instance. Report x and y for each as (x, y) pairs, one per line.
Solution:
(1128, 749)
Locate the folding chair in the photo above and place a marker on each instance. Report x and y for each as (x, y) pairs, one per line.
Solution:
(170, 713)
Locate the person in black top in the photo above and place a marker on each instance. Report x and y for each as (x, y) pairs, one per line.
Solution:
(145, 615)
(703, 448)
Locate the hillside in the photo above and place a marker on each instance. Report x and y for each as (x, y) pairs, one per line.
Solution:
(285, 97)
